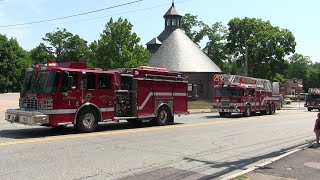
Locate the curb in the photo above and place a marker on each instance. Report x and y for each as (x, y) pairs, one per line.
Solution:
(294, 150)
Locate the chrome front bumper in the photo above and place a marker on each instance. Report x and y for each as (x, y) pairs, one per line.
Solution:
(26, 117)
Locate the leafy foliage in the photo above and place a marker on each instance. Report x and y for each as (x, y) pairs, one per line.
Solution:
(66, 46)
(196, 30)
(267, 46)
(301, 68)
(118, 47)
(216, 46)
(40, 54)
(13, 62)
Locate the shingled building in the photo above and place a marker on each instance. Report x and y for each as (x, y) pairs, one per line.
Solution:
(174, 50)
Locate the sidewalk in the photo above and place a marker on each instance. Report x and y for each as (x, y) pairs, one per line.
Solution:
(303, 163)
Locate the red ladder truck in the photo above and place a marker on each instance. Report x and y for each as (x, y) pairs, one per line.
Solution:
(58, 94)
(247, 95)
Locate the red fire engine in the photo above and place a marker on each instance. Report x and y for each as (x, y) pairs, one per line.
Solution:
(313, 99)
(58, 94)
(239, 94)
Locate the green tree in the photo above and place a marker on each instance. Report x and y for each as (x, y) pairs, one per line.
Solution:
(216, 46)
(196, 30)
(66, 46)
(41, 54)
(301, 67)
(13, 62)
(118, 47)
(267, 46)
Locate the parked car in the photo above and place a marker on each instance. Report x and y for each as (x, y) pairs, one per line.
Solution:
(287, 101)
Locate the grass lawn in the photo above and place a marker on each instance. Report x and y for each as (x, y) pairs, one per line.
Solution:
(200, 104)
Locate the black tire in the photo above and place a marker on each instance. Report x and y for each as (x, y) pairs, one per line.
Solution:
(87, 120)
(268, 109)
(247, 111)
(163, 117)
(309, 109)
(223, 114)
(273, 109)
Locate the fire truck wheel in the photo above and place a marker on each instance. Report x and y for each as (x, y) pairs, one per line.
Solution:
(309, 109)
(273, 109)
(268, 109)
(87, 121)
(163, 116)
(247, 112)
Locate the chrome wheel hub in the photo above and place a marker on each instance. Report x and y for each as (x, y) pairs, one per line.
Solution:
(88, 120)
(163, 116)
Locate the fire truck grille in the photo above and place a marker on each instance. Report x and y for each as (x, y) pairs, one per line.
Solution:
(225, 103)
(29, 103)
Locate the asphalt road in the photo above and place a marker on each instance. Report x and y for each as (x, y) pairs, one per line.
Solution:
(197, 146)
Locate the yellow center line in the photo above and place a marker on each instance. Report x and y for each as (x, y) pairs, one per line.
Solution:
(98, 134)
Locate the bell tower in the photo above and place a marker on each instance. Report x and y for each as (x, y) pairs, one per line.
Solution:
(172, 19)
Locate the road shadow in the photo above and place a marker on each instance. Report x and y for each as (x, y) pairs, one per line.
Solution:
(233, 116)
(230, 166)
(40, 132)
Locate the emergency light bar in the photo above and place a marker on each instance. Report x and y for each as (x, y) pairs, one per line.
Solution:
(42, 66)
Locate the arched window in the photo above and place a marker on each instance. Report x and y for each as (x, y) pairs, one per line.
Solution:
(168, 22)
(174, 22)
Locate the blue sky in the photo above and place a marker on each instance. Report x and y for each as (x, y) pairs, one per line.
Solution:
(300, 17)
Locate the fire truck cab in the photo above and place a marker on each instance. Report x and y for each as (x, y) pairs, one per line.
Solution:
(58, 94)
(239, 94)
(313, 99)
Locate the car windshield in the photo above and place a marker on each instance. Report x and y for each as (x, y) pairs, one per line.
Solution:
(228, 92)
(313, 97)
(41, 82)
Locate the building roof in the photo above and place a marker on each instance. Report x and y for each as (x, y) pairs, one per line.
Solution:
(154, 41)
(179, 53)
(172, 11)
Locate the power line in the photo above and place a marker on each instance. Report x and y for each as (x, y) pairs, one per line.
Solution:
(74, 15)
(100, 17)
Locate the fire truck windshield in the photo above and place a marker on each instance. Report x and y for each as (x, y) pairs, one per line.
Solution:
(313, 97)
(228, 92)
(41, 82)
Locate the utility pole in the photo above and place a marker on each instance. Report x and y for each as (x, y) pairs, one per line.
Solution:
(246, 61)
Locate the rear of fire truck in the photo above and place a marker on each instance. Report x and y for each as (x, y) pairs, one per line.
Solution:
(313, 99)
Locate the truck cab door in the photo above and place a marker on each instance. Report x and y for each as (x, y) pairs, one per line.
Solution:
(70, 90)
(98, 90)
